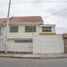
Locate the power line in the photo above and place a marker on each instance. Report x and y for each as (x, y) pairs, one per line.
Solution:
(56, 13)
(35, 2)
(41, 2)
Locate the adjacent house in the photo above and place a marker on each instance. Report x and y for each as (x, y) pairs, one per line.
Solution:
(65, 42)
(29, 34)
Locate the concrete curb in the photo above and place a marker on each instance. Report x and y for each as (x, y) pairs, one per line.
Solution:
(49, 56)
(21, 57)
(18, 56)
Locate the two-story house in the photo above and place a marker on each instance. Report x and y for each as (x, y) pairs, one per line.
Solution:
(24, 32)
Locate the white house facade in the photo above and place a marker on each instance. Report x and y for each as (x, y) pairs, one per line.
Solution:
(28, 34)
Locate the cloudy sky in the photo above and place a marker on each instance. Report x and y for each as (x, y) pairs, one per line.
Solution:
(52, 11)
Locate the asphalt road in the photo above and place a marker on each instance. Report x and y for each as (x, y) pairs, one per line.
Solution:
(11, 62)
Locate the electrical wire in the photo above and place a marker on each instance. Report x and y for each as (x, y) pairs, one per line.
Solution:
(19, 1)
(55, 13)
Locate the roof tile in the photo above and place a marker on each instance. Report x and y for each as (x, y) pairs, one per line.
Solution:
(23, 19)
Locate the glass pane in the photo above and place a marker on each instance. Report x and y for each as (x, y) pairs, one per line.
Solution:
(46, 29)
(14, 29)
(30, 29)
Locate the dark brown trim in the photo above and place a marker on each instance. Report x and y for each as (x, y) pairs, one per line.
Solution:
(15, 52)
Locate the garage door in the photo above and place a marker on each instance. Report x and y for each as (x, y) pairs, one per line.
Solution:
(20, 45)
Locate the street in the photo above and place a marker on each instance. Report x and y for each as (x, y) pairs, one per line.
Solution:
(13, 62)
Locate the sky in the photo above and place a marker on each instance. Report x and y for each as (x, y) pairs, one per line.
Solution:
(52, 11)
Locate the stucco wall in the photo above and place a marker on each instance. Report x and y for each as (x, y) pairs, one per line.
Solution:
(41, 44)
(22, 34)
(2, 47)
(48, 44)
(49, 25)
(20, 47)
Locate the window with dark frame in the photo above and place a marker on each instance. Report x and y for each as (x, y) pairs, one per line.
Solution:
(46, 29)
(30, 28)
(23, 41)
(13, 28)
(65, 39)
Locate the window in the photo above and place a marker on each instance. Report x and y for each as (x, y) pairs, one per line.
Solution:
(23, 40)
(65, 39)
(14, 29)
(0, 30)
(30, 28)
(46, 29)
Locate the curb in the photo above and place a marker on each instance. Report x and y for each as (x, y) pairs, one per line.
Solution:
(21, 57)
(32, 57)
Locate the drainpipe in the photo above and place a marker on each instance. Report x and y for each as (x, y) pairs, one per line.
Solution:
(7, 26)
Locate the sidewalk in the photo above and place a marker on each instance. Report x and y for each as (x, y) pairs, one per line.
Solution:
(34, 56)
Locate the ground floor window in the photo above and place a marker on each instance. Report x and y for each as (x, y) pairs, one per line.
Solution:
(23, 40)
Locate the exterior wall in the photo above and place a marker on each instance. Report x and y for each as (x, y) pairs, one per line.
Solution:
(16, 47)
(2, 47)
(65, 42)
(53, 29)
(22, 34)
(41, 43)
(19, 47)
(2, 32)
(49, 25)
(48, 44)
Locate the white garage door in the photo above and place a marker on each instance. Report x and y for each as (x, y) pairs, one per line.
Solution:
(20, 46)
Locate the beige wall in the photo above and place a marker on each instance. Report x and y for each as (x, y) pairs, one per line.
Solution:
(19, 47)
(48, 44)
(22, 34)
(41, 43)
(2, 47)
(49, 25)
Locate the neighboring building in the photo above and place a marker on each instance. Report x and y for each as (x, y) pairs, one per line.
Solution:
(65, 42)
(29, 35)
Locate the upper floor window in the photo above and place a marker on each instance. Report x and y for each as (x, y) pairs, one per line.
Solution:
(0, 30)
(13, 28)
(46, 29)
(30, 28)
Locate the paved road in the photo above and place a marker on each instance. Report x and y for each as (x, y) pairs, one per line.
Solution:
(9, 62)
